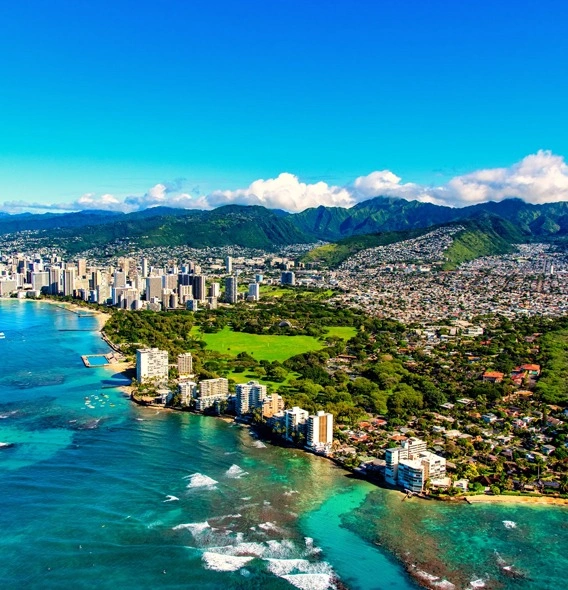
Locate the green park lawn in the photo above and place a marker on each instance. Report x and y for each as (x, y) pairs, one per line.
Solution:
(267, 347)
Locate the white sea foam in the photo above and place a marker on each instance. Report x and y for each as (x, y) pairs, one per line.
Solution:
(194, 527)
(310, 581)
(479, 583)
(171, 498)
(291, 492)
(198, 480)
(235, 472)
(281, 567)
(221, 562)
(434, 581)
(509, 524)
(246, 548)
(310, 548)
(284, 549)
(245, 499)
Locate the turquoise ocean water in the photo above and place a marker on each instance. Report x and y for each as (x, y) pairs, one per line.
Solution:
(99, 493)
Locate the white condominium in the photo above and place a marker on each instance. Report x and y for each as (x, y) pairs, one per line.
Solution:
(210, 392)
(320, 431)
(294, 421)
(410, 465)
(187, 391)
(151, 363)
(231, 290)
(185, 364)
(249, 396)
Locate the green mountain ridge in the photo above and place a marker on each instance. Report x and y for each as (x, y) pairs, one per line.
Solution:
(258, 227)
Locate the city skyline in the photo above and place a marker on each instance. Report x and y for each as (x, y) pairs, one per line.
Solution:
(124, 106)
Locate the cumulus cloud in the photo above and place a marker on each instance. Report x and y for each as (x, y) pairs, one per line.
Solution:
(537, 178)
(285, 192)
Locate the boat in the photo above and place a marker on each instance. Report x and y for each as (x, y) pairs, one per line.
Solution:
(2, 335)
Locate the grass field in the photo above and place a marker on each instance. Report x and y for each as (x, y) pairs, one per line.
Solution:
(344, 332)
(266, 346)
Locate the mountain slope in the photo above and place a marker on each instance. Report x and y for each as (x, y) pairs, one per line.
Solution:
(253, 227)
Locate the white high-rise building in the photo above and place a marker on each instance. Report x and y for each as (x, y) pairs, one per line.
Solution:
(211, 391)
(151, 363)
(187, 391)
(320, 432)
(294, 421)
(249, 396)
(410, 465)
(254, 291)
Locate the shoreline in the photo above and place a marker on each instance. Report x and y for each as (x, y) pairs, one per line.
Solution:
(506, 499)
(124, 367)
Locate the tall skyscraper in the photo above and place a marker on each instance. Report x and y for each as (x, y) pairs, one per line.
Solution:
(214, 290)
(119, 279)
(231, 290)
(229, 264)
(288, 278)
(145, 268)
(254, 291)
(81, 267)
(153, 288)
(199, 287)
(68, 281)
(55, 280)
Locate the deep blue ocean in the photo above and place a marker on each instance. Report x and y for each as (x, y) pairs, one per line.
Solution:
(99, 493)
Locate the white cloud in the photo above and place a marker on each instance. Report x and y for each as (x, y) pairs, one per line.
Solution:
(537, 178)
(285, 192)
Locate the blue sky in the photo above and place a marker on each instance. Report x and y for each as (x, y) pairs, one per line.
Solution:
(192, 98)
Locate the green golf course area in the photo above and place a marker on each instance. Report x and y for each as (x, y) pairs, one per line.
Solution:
(267, 346)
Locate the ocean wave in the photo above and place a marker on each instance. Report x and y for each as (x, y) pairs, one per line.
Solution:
(198, 480)
(509, 524)
(281, 567)
(240, 549)
(479, 583)
(310, 581)
(270, 526)
(170, 498)
(235, 472)
(221, 562)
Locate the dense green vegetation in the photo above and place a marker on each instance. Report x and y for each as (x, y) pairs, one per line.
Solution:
(262, 228)
(254, 227)
(360, 365)
(333, 255)
(553, 384)
(487, 236)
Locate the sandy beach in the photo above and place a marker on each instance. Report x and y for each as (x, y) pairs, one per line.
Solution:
(505, 499)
